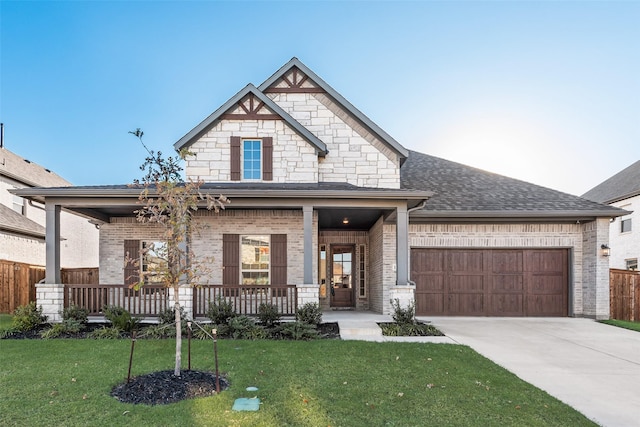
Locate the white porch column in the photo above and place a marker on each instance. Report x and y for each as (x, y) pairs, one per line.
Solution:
(52, 243)
(307, 211)
(402, 246)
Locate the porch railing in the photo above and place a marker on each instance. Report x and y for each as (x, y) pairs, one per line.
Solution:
(246, 299)
(148, 301)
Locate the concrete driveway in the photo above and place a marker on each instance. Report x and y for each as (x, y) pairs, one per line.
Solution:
(594, 368)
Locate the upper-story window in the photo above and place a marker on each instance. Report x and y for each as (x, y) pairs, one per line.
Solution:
(251, 159)
(625, 225)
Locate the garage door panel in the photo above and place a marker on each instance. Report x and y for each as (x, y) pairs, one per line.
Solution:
(466, 304)
(506, 261)
(507, 305)
(511, 284)
(491, 282)
(466, 284)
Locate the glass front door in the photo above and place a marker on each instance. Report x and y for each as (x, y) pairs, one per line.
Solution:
(342, 276)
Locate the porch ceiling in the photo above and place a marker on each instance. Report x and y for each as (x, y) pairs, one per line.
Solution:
(359, 219)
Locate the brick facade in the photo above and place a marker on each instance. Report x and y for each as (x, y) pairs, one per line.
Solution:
(625, 246)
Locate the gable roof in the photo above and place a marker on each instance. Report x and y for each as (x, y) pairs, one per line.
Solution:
(11, 220)
(620, 186)
(28, 173)
(295, 62)
(250, 89)
(466, 192)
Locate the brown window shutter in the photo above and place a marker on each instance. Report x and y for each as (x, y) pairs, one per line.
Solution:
(231, 259)
(235, 158)
(267, 158)
(132, 266)
(278, 259)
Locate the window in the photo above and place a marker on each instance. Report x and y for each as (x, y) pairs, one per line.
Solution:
(362, 287)
(322, 270)
(255, 260)
(251, 159)
(632, 264)
(625, 225)
(18, 205)
(153, 262)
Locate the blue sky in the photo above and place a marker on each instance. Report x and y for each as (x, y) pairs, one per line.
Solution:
(546, 92)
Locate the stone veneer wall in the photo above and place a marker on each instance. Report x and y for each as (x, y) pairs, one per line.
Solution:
(355, 155)
(294, 159)
(588, 272)
(595, 273)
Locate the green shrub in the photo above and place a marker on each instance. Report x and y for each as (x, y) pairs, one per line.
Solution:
(310, 313)
(158, 332)
(168, 316)
(68, 326)
(27, 317)
(409, 330)
(221, 311)
(268, 314)
(106, 333)
(403, 315)
(77, 313)
(120, 318)
(298, 331)
(244, 327)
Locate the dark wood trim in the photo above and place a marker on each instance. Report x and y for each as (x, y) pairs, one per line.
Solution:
(267, 158)
(295, 90)
(251, 116)
(235, 158)
(278, 259)
(230, 259)
(132, 266)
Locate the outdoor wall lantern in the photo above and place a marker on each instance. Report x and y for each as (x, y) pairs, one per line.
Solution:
(606, 251)
(345, 220)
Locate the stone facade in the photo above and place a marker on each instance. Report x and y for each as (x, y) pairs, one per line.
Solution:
(51, 298)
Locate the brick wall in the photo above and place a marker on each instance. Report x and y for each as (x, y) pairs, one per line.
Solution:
(595, 274)
(625, 245)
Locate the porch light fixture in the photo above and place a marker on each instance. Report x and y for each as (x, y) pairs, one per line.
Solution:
(345, 220)
(606, 251)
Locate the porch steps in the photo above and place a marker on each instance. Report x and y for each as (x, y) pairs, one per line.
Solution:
(359, 329)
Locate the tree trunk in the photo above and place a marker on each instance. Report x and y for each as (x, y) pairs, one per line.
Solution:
(176, 298)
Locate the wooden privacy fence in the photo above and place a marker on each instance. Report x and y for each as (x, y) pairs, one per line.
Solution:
(624, 293)
(18, 282)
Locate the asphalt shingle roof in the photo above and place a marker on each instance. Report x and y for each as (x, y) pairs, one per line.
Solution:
(622, 185)
(12, 221)
(461, 188)
(27, 172)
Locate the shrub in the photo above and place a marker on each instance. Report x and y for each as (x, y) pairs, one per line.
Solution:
(158, 332)
(298, 331)
(268, 314)
(120, 318)
(77, 313)
(27, 317)
(68, 326)
(310, 313)
(106, 333)
(221, 311)
(244, 327)
(168, 316)
(409, 330)
(403, 315)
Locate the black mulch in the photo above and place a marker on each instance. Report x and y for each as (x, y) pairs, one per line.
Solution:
(160, 388)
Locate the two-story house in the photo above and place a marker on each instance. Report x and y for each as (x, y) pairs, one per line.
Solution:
(622, 190)
(327, 203)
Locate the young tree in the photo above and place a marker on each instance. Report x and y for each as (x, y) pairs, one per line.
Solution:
(170, 202)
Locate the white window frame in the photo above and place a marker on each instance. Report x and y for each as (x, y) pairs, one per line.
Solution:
(242, 159)
(622, 222)
(632, 264)
(259, 259)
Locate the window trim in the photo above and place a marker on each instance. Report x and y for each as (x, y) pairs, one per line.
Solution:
(243, 170)
(622, 225)
(630, 262)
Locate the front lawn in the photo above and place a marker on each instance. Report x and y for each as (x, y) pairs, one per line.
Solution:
(5, 321)
(634, 326)
(316, 383)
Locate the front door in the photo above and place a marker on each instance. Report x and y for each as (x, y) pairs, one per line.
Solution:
(342, 279)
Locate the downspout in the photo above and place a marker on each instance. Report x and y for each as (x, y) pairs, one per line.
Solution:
(420, 206)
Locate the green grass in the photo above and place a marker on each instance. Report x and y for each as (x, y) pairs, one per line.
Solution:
(5, 321)
(317, 383)
(634, 326)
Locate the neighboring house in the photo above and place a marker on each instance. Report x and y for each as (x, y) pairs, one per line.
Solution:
(622, 190)
(325, 200)
(22, 222)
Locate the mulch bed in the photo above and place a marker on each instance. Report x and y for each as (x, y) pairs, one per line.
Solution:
(162, 387)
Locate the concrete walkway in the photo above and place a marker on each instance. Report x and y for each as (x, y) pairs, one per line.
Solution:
(594, 368)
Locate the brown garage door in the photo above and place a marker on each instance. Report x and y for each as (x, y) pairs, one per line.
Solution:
(490, 282)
